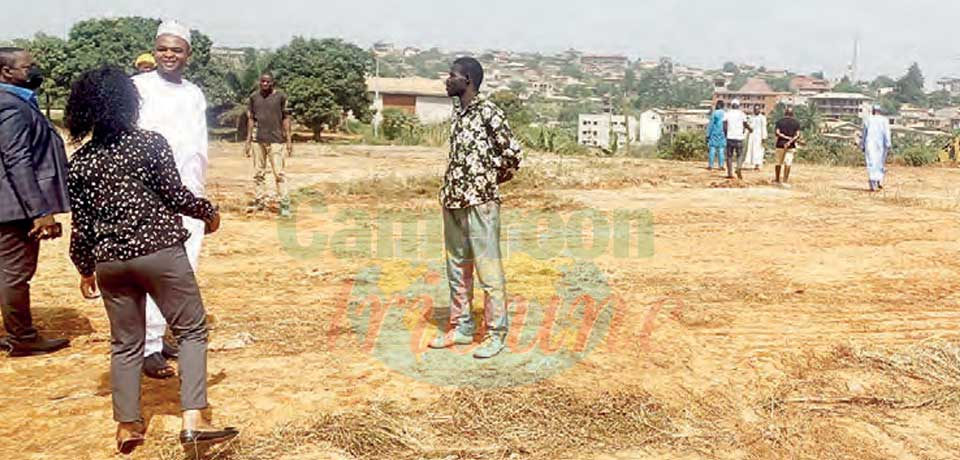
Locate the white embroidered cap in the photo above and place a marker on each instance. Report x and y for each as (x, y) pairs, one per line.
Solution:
(172, 27)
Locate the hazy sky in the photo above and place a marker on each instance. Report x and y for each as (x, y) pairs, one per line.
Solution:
(803, 35)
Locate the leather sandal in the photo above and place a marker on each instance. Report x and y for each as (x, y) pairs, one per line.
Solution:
(155, 367)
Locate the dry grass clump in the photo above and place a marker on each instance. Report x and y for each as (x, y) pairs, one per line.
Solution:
(820, 407)
(545, 421)
(530, 184)
(923, 375)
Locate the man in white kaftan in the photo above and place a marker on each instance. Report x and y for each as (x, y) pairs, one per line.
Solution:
(755, 151)
(876, 144)
(175, 108)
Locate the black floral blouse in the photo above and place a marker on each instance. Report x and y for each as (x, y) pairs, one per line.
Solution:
(127, 199)
(481, 146)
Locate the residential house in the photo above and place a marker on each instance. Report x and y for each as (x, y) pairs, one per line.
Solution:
(605, 67)
(541, 86)
(646, 65)
(756, 93)
(885, 91)
(772, 73)
(384, 48)
(843, 131)
(950, 84)
(229, 57)
(601, 130)
(842, 105)
(951, 116)
(423, 97)
(809, 86)
(946, 120)
(501, 57)
(680, 120)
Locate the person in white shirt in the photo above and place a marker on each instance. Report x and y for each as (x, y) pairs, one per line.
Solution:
(736, 127)
(755, 151)
(176, 109)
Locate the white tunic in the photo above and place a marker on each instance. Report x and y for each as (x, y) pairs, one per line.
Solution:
(755, 149)
(875, 144)
(178, 113)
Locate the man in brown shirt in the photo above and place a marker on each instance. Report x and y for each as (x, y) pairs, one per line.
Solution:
(267, 113)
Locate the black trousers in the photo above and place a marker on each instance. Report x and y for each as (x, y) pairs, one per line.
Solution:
(18, 262)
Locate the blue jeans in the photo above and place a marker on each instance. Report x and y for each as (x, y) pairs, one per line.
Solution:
(714, 151)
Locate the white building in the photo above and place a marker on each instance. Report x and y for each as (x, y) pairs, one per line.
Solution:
(600, 130)
(650, 127)
(423, 97)
(842, 105)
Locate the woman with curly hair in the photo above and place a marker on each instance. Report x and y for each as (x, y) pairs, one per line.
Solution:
(127, 241)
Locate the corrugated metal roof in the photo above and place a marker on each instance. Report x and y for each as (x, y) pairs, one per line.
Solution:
(412, 86)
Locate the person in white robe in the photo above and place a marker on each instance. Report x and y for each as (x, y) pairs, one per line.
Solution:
(176, 109)
(876, 143)
(758, 136)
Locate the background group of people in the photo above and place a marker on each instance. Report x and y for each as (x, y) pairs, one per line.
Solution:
(737, 139)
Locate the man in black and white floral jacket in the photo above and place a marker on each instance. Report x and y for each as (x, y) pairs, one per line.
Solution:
(483, 154)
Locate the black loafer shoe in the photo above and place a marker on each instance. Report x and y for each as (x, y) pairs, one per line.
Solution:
(188, 437)
(36, 347)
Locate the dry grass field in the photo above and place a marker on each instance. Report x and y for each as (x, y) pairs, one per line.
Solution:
(818, 322)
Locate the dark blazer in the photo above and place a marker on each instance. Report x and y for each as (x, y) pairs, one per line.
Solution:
(33, 162)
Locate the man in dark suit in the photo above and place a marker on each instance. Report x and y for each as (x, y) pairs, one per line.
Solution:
(33, 172)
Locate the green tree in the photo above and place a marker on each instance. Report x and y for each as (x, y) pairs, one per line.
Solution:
(312, 103)
(572, 70)
(51, 55)
(655, 88)
(398, 124)
(738, 81)
(846, 86)
(890, 104)
(810, 120)
(325, 80)
(939, 99)
(910, 87)
(883, 81)
(212, 78)
(690, 93)
(818, 74)
(781, 84)
(730, 67)
(516, 111)
(517, 87)
(577, 91)
(115, 41)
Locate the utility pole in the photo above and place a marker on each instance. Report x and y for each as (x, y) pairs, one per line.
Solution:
(376, 96)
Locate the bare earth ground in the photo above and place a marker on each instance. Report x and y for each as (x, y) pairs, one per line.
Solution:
(811, 323)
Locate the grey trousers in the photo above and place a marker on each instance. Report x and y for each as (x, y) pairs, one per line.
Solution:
(472, 239)
(735, 147)
(165, 275)
(18, 262)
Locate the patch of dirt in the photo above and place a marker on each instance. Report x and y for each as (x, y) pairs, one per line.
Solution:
(815, 322)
